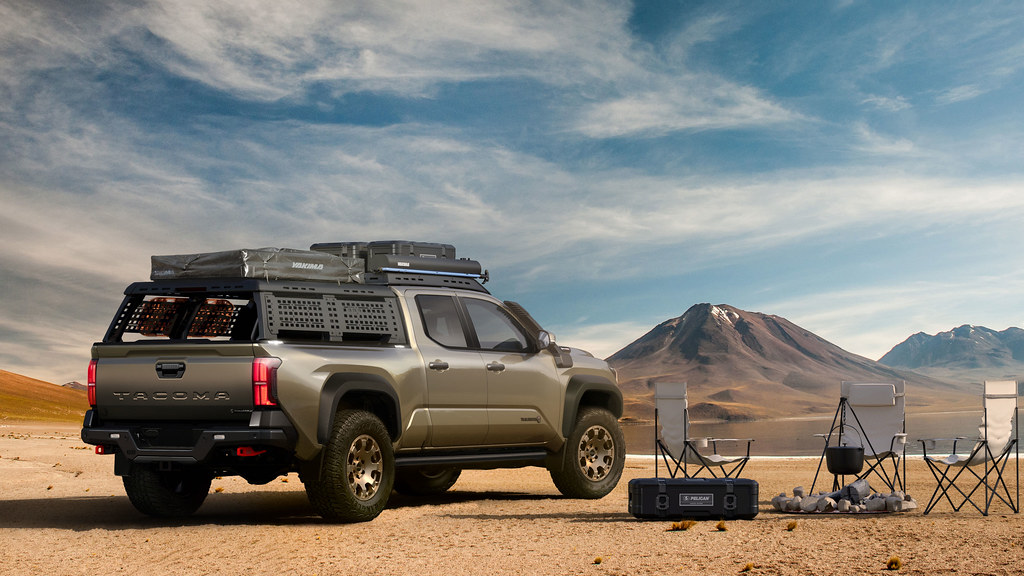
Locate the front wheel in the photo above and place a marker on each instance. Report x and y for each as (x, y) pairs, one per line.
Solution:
(167, 493)
(358, 469)
(591, 461)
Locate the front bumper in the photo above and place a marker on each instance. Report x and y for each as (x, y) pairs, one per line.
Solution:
(266, 429)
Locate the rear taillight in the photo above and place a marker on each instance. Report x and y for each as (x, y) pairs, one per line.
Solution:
(264, 381)
(91, 383)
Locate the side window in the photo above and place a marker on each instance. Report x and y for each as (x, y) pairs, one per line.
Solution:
(494, 329)
(441, 320)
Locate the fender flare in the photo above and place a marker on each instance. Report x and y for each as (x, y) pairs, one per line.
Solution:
(341, 384)
(597, 391)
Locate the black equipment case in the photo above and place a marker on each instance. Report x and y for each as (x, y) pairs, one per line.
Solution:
(697, 498)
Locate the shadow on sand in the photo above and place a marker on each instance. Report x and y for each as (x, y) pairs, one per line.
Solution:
(267, 508)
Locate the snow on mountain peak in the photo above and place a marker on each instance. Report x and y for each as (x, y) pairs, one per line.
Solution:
(727, 316)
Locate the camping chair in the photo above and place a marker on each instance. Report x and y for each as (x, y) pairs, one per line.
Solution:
(992, 449)
(869, 428)
(672, 441)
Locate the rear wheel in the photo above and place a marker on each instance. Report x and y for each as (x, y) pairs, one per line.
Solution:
(591, 461)
(166, 493)
(358, 469)
(426, 481)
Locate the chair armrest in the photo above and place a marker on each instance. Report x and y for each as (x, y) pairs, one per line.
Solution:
(930, 443)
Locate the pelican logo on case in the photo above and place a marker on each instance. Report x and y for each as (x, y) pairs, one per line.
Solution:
(697, 500)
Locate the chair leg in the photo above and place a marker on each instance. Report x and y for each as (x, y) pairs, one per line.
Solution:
(990, 483)
(944, 484)
(666, 456)
(998, 468)
(878, 468)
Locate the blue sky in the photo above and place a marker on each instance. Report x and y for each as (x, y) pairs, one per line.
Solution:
(855, 167)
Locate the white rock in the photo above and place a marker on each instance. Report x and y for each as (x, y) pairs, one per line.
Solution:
(874, 504)
(858, 491)
(799, 491)
(843, 505)
(893, 504)
(794, 504)
(809, 504)
(826, 504)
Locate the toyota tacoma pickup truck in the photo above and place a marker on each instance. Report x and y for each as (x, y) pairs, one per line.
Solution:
(364, 367)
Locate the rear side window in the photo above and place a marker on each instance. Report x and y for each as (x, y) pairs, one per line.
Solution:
(441, 320)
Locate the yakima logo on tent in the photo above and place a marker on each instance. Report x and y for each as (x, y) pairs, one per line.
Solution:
(307, 266)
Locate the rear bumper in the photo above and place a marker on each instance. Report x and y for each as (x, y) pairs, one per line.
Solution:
(266, 429)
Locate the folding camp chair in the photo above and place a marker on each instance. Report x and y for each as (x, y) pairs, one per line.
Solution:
(992, 450)
(673, 444)
(869, 428)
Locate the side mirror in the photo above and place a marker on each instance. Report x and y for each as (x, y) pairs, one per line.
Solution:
(546, 341)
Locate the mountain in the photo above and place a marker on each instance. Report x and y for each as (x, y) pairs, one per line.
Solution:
(24, 398)
(743, 365)
(967, 352)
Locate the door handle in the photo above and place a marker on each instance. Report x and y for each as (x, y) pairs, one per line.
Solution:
(438, 365)
(170, 369)
(496, 367)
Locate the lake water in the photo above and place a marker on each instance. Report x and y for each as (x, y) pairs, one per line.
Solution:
(795, 437)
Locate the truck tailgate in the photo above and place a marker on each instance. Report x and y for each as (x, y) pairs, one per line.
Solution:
(174, 381)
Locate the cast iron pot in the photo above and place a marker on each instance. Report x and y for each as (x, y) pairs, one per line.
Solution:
(843, 460)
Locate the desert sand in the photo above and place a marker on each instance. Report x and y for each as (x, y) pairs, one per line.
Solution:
(62, 511)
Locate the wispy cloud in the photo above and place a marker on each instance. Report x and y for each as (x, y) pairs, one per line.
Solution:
(272, 51)
(692, 103)
(959, 94)
(888, 104)
(601, 340)
(871, 142)
(870, 320)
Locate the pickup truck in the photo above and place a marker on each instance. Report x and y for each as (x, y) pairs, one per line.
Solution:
(395, 375)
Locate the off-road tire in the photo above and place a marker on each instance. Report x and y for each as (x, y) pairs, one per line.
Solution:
(358, 469)
(426, 481)
(168, 493)
(590, 463)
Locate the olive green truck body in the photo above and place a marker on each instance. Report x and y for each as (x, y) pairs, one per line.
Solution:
(398, 381)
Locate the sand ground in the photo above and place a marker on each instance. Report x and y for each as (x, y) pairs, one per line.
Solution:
(63, 512)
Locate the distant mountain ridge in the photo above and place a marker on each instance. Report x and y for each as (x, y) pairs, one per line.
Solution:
(749, 365)
(964, 351)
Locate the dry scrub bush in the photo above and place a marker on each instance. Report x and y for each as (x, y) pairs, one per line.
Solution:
(682, 525)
